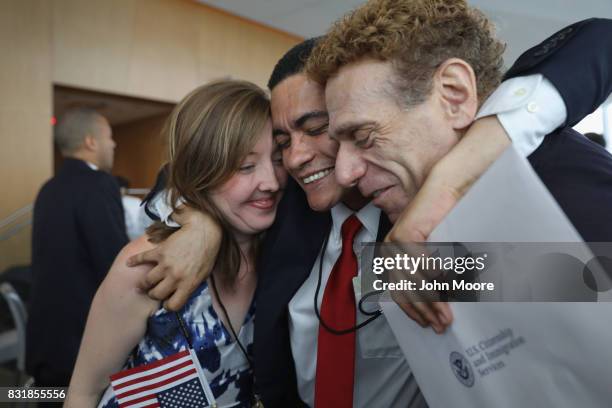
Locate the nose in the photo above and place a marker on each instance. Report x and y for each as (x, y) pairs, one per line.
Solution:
(298, 154)
(350, 166)
(268, 182)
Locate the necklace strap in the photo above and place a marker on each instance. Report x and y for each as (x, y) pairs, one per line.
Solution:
(229, 322)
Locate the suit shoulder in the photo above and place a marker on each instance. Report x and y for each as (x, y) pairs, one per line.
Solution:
(96, 183)
(51, 191)
(578, 173)
(589, 30)
(568, 147)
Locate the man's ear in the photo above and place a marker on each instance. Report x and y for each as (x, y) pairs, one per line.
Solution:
(456, 82)
(90, 143)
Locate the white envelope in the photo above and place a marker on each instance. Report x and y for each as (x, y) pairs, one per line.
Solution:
(511, 354)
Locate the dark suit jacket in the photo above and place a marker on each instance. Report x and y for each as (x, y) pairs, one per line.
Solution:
(577, 172)
(78, 230)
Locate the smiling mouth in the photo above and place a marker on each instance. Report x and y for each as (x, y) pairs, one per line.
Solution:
(264, 203)
(317, 176)
(377, 193)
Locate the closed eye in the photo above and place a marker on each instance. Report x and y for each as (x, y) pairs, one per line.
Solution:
(318, 130)
(246, 168)
(363, 139)
(282, 141)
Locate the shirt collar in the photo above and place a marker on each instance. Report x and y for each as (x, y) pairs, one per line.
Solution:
(91, 165)
(368, 215)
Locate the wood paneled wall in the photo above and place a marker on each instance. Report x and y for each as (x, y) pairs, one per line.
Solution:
(158, 49)
(155, 49)
(140, 151)
(25, 113)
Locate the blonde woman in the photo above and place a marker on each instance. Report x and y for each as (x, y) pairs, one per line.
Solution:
(222, 161)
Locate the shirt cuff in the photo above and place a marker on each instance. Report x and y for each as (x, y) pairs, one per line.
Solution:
(160, 206)
(528, 108)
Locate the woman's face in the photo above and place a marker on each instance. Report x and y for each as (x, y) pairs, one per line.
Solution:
(248, 200)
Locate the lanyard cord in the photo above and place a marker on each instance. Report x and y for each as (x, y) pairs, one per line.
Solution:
(229, 323)
(373, 315)
(256, 398)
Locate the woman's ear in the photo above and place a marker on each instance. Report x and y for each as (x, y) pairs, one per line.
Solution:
(456, 84)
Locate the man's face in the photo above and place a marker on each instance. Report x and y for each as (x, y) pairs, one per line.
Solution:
(386, 150)
(300, 121)
(105, 145)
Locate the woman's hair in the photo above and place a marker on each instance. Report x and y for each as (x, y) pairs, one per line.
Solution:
(209, 134)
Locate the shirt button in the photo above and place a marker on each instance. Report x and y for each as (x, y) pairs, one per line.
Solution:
(532, 107)
(520, 92)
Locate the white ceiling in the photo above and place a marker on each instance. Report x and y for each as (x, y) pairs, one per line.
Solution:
(521, 23)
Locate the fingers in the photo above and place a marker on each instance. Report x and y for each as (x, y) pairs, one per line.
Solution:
(428, 314)
(409, 309)
(155, 275)
(438, 315)
(163, 289)
(444, 312)
(143, 286)
(150, 256)
(178, 299)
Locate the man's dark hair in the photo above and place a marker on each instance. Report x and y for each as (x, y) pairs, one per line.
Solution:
(597, 138)
(293, 62)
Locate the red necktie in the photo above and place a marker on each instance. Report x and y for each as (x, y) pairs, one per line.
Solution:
(336, 353)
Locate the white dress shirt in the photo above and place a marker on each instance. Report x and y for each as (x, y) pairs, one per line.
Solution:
(382, 375)
(91, 166)
(528, 109)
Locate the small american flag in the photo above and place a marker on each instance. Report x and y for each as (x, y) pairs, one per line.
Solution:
(170, 382)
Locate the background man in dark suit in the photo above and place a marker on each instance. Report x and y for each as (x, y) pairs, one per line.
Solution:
(428, 89)
(78, 229)
(289, 262)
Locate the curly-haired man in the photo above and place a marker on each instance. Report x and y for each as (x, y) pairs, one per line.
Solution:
(404, 81)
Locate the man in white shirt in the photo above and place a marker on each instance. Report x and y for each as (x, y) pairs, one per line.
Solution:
(437, 85)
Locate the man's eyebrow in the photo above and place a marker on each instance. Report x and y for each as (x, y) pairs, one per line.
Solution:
(299, 122)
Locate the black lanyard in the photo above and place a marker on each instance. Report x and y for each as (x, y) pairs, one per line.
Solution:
(256, 399)
(373, 315)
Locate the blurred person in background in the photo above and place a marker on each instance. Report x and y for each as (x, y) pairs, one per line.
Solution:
(78, 230)
(136, 220)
